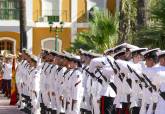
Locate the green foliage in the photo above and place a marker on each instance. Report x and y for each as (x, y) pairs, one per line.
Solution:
(153, 36)
(84, 41)
(102, 34)
(127, 20)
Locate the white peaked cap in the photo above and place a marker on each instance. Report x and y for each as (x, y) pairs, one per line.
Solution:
(109, 50)
(150, 51)
(138, 49)
(161, 53)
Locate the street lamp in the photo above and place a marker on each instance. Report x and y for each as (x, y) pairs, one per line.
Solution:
(57, 30)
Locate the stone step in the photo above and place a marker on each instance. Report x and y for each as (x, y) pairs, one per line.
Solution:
(5, 108)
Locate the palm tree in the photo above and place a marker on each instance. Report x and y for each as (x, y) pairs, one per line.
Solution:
(141, 13)
(102, 34)
(153, 35)
(23, 35)
(127, 20)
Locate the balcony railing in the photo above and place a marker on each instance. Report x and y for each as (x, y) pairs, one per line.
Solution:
(9, 14)
(9, 9)
(51, 15)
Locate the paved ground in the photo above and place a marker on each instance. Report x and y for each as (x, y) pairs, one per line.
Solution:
(5, 108)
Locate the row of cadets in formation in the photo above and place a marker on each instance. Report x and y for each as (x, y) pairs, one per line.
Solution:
(125, 80)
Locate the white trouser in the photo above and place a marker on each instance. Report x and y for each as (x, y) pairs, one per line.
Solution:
(35, 104)
(46, 100)
(69, 106)
(60, 108)
(19, 91)
(86, 103)
(143, 108)
(96, 106)
(53, 102)
(150, 109)
(160, 107)
(76, 107)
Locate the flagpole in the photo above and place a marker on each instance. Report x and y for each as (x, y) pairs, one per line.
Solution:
(13, 99)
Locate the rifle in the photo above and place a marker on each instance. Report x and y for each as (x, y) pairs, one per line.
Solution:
(122, 75)
(93, 76)
(149, 81)
(105, 79)
(162, 94)
(115, 71)
(137, 75)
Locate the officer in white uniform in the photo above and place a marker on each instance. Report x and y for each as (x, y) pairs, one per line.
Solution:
(85, 104)
(94, 82)
(120, 82)
(151, 62)
(20, 77)
(7, 74)
(60, 72)
(76, 86)
(52, 82)
(34, 85)
(67, 85)
(137, 64)
(122, 55)
(160, 83)
(43, 94)
(158, 97)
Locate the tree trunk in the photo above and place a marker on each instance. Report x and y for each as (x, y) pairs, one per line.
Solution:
(141, 13)
(123, 24)
(23, 35)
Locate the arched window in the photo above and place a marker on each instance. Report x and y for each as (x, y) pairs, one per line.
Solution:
(8, 44)
(50, 43)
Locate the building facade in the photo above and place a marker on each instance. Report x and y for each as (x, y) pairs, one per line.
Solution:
(39, 14)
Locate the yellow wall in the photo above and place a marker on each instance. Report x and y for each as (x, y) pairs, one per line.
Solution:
(42, 33)
(36, 9)
(13, 35)
(82, 10)
(66, 10)
(82, 30)
(111, 6)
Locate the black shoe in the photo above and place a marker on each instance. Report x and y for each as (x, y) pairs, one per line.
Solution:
(54, 112)
(23, 110)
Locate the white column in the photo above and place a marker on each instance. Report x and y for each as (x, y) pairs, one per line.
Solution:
(74, 4)
(29, 11)
(105, 4)
(60, 9)
(117, 5)
(30, 39)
